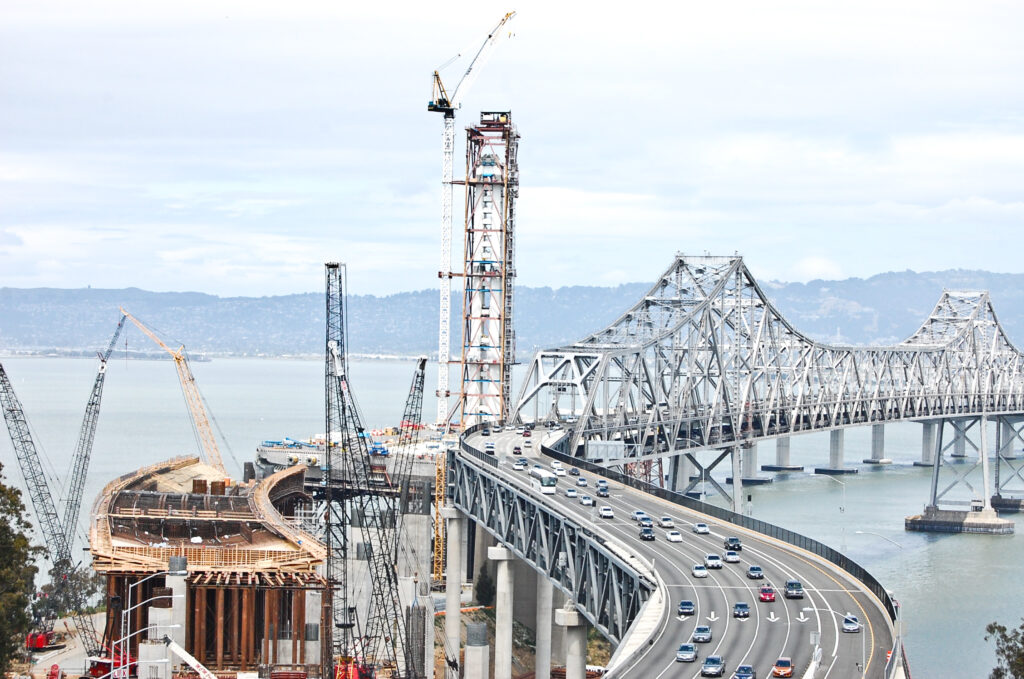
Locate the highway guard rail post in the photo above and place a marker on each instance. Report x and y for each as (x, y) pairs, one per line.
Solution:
(771, 530)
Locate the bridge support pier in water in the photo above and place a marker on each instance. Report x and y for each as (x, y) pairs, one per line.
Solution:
(575, 642)
(749, 466)
(453, 582)
(837, 444)
(878, 446)
(503, 602)
(928, 444)
(782, 463)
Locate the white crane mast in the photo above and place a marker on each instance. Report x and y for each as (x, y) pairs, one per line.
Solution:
(442, 104)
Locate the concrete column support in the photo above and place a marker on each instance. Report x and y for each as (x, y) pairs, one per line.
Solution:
(736, 454)
(179, 607)
(453, 580)
(927, 444)
(545, 597)
(503, 603)
(1006, 438)
(782, 463)
(959, 443)
(575, 642)
(836, 451)
(477, 651)
(878, 446)
(750, 462)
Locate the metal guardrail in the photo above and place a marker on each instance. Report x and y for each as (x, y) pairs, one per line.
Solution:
(771, 530)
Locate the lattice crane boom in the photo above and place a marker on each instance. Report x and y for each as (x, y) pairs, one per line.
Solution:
(194, 400)
(441, 103)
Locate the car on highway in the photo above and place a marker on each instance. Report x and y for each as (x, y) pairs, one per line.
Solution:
(712, 561)
(489, 448)
(766, 594)
(666, 522)
(733, 543)
(560, 471)
(783, 667)
(851, 623)
(602, 483)
(606, 512)
(574, 472)
(586, 501)
(674, 536)
(527, 443)
(646, 533)
(517, 451)
(555, 464)
(701, 634)
(638, 514)
(755, 573)
(582, 482)
(686, 607)
(571, 492)
(713, 666)
(741, 609)
(794, 590)
(686, 653)
(645, 522)
(485, 432)
(701, 529)
(526, 434)
(602, 492)
(519, 465)
(731, 557)
(699, 571)
(745, 672)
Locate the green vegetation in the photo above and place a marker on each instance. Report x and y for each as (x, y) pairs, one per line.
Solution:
(1009, 651)
(484, 587)
(17, 573)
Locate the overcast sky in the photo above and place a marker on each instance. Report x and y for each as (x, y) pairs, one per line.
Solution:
(232, 147)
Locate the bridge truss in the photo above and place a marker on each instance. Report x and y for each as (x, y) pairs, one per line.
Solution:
(705, 361)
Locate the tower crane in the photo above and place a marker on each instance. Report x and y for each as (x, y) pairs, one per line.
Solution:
(210, 451)
(442, 103)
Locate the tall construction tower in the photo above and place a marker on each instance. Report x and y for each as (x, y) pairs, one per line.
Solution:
(488, 338)
(441, 103)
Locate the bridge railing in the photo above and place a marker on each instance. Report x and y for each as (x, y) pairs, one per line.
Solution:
(728, 516)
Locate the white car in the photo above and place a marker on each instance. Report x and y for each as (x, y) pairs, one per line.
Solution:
(666, 522)
(571, 492)
(674, 536)
(586, 501)
(638, 514)
(559, 471)
(701, 529)
(555, 464)
(699, 571)
(712, 561)
(731, 557)
(527, 443)
(606, 512)
(851, 623)
(582, 482)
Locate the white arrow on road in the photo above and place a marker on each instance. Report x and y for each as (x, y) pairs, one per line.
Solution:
(802, 617)
(712, 617)
(772, 617)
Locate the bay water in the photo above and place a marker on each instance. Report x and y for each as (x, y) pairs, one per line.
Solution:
(950, 586)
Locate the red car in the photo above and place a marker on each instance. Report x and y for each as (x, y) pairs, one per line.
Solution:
(767, 593)
(783, 667)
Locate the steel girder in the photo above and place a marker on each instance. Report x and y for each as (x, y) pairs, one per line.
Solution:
(705, 361)
(585, 567)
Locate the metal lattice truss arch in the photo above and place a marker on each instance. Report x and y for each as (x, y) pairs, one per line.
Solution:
(705, 361)
(606, 589)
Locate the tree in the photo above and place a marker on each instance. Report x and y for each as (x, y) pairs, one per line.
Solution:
(82, 584)
(484, 587)
(17, 573)
(1009, 651)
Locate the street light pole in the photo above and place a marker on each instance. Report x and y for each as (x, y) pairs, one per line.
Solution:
(842, 509)
(897, 604)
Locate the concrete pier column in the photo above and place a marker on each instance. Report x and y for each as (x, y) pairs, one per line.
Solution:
(478, 662)
(1007, 437)
(503, 602)
(680, 472)
(453, 580)
(836, 449)
(878, 446)
(750, 462)
(575, 642)
(736, 454)
(959, 443)
(927, 444)
(542, 634)
(782, 463)
(175, 580)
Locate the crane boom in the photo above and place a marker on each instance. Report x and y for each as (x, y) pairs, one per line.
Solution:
(86, 436)
(441, 103)
(210, 451)
(45, 509)
(190, 659)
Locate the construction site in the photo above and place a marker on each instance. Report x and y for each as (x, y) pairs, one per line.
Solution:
(323, 559)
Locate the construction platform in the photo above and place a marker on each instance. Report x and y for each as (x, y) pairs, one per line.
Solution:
(935, 520)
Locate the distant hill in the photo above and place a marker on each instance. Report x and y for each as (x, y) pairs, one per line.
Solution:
(877, 310)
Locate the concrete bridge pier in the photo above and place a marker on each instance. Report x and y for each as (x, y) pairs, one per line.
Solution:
(782, 463)
(928, 430)
(575, 642)
(837, 444)
(503, 603)
(542, 631)
(680, 473)
(959, 443)
(453, 580)
(749, 466)
(878, 446)
(478, 662)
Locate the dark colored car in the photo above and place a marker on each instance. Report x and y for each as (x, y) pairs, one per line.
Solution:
(741, 610)
(733, 543)
(794, 590)
(517, 451)
(744, 672)
(686, 607)
(646, 533)
(602, 491)
(526, 434)
(574, 472)
(485, 432)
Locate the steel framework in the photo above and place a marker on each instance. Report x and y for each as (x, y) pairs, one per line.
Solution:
(704, 361)
(488, 338)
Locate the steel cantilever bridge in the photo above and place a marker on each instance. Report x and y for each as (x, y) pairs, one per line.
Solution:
(705, 362)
